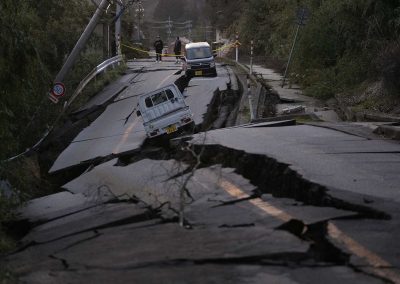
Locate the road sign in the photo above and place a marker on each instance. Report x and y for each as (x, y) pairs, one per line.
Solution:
(53, 98)
(58, 90)
(302, 15)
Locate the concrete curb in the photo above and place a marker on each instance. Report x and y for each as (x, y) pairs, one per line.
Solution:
(389, 131)
(257, 89)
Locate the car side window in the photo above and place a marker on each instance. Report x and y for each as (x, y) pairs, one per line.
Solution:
(170, 94)
(148, 102)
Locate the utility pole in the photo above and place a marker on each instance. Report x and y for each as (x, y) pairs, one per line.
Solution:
(169, 26)
(139, 14)
(79, 46)
(302, 16)
(237, 47)
(118, 30)
(189, 26)
(251, 56)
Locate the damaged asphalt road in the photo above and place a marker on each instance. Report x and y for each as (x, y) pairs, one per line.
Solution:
(284, 204)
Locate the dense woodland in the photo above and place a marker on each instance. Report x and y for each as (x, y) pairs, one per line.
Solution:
(350, 48)
(35, 38)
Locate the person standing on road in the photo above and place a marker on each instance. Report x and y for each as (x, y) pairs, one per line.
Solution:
(158, 46)
(178, 49)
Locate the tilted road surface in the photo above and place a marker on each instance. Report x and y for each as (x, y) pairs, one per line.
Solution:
(269, 202)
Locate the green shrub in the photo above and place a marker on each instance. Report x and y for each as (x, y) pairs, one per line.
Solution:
(320, 83)
(132, 51)
(8, 204)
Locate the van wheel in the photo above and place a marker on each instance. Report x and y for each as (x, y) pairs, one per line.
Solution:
(188, 75)
(188, 129)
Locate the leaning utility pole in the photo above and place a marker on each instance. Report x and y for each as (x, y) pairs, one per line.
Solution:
(302, 16)
(79, 46)
(118, 29)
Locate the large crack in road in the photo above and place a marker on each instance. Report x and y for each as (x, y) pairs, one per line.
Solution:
(262, 215)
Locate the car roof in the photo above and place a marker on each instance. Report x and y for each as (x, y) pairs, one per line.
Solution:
(158, 90)
(197, 44)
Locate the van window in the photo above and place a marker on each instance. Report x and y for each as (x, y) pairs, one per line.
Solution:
(159, 98)
(198, 52)
(148, 102)
(170, 94)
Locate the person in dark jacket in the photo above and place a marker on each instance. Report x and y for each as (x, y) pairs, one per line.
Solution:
(178, 49)
(158, 46)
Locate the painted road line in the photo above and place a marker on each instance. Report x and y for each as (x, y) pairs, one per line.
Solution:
(126, 135)
(379, 266)
(162, 82)
(265, 206)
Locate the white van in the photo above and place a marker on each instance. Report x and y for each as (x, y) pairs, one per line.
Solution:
(199, 60)
(164, 111)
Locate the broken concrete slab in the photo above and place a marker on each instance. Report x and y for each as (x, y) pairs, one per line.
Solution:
(61, 204)
(149, 80)
(108, 92)
(231, 210)
(118, 123)
(305, 213)
(364, 130)
(169, 242)
(280, 123)
(293, 109)
(373, 246)
(147, 181)
(162, 184)
(202, 212)
(207, 273)
(217, 199)
(40, 257)
(202, 90)
(322, 156)
(217, 181)
(86, 151)
(118, 119)
(90, 219)
(367, 239)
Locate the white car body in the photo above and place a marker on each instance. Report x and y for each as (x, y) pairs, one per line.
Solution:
(164, 111)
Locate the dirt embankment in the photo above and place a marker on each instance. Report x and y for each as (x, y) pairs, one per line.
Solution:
(372, 101)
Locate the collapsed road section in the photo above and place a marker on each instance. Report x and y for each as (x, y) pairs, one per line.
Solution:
(118, 130)
(265, 203)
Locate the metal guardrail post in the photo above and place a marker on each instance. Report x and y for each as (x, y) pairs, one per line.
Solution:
(98, 69)
(250, 96)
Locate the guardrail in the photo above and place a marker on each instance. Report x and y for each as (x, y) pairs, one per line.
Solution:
(98, 69)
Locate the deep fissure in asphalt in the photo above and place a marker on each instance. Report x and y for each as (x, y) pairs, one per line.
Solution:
(269, 175)
(273, 177)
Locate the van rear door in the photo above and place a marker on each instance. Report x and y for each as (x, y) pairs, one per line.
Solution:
(161, 103)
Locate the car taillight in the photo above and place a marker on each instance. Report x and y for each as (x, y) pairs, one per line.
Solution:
(186, 120)
(154, 133)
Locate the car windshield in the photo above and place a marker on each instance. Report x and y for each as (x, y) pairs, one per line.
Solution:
(198, 52)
